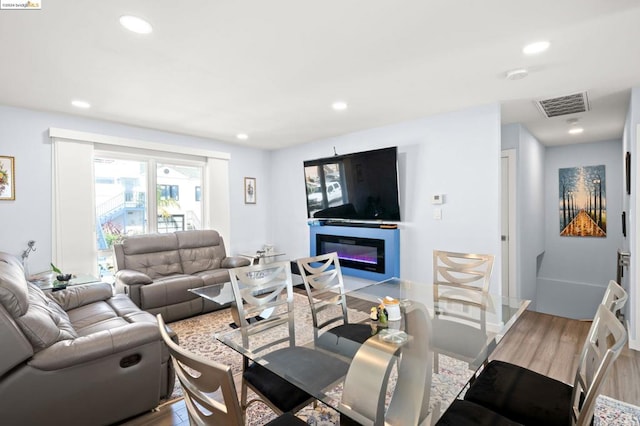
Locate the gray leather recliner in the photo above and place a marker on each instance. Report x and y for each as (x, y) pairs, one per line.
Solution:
(80, 356)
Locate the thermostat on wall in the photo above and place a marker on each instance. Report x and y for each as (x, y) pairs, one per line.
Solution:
(437, 198)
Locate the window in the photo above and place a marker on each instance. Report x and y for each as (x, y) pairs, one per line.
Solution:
(169, 192)
(179, 204)
(123, 206)
(76, 158)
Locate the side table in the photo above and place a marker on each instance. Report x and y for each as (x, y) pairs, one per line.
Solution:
(261, 257)
(49, 285)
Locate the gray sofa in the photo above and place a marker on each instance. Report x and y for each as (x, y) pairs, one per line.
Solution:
(157, 270)
(79, 356)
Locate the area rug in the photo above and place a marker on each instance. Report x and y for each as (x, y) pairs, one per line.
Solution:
(198, 335)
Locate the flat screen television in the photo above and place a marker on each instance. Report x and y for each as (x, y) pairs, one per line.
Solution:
(362, 186)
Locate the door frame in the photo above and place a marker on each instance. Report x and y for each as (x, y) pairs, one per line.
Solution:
(634, 268)
(511, 155)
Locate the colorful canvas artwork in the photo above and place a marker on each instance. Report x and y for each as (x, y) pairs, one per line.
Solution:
(582, 201)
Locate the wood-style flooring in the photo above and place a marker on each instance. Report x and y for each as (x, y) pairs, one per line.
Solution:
(545, 343)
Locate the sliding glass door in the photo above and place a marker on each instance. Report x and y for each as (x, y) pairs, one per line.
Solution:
(123, 186)
(179, 197)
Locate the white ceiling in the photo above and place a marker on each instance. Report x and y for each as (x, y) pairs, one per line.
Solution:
(271, 69)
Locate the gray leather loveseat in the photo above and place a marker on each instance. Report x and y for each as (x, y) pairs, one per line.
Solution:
(79, 356)
(157, 270)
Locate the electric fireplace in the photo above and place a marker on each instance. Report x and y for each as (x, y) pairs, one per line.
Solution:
(366, 252)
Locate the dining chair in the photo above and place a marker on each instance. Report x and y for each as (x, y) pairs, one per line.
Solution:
(615, 297)
(324, 284)
(201, 380)
(260, 287)
(531, 398)
(460, 327)
(466, 413)
(466, 271)
(460, 293)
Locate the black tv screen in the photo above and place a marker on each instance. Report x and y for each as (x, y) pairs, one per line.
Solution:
(358, 186)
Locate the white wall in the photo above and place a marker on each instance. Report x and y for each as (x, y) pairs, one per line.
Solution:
(455, 154)
(23, 135)
(575, 271)
(530, 159)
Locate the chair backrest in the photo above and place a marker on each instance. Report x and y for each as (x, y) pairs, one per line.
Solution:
(260, 288)
(323, 281)
(604, 343)
(200, 379)
(615, 297)
(465, 271)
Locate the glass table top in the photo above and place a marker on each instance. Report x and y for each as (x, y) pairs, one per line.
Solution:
(431, 353)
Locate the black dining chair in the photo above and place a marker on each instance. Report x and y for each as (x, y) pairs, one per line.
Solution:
(466, 413)
(201, 379)
(324, 284)
(530, 398)
(258, 288)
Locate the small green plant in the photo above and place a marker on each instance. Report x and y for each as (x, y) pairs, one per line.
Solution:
(60, 276)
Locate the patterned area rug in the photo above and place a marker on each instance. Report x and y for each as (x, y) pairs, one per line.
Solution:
(197, 335)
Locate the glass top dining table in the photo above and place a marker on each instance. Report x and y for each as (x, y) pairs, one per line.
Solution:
(409, 370)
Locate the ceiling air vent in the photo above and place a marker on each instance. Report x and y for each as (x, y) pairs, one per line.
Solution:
(563, 105)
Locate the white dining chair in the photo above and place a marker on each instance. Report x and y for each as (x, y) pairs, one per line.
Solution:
(263, 287)
(615, 297)
(461, 299)
(530, 398)
(201, 380)
(324, 285)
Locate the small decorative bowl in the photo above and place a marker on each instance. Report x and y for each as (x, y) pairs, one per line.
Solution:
(63, 277)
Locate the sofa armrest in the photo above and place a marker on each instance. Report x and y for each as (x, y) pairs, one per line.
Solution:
(234, 262)
(69, 353)
(79, 295)
(131, 277)
(129, 282)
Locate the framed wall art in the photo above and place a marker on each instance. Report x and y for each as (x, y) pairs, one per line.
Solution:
(7, 178)
(582, 202)
(249, 190)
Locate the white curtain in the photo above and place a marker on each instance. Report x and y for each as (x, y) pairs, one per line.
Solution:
(74, 232)
(217, 208)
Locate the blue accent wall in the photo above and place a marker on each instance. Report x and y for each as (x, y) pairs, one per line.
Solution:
(391, 239)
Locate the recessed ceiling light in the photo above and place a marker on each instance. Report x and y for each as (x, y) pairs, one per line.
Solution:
(518, 74)
(339, 106)
(135, 24)
(81, 104)
(242, 136)
(576, 130)
(535, 48)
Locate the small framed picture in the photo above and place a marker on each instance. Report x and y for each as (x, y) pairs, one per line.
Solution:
(7, 178)
(249, 190)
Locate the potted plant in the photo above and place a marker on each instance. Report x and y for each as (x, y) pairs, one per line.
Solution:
(62, 279)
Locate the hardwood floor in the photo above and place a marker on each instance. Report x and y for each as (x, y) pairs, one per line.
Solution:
(545, 343)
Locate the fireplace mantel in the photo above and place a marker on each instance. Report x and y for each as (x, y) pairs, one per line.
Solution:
(369, 252)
